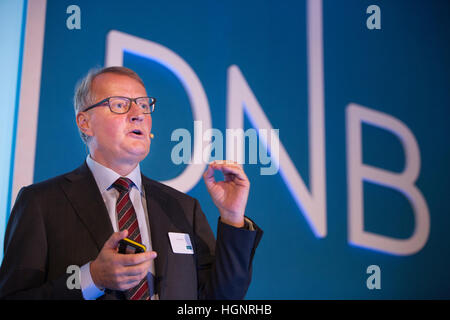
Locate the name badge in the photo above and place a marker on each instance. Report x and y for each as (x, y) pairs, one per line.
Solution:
(181, 243)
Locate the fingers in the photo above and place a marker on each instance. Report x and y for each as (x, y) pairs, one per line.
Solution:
(137, 270)
(132, 274)
(117, 271)
(113, 241)
(208, 176)
(226, 162)
(136, 259)
(125, 282)
(224, 166)
(131, 269)
(228, 168)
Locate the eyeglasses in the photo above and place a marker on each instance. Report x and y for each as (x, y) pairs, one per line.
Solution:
(122, 105)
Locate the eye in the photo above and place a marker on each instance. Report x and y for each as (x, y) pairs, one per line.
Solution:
(118, 104)
(144, 106)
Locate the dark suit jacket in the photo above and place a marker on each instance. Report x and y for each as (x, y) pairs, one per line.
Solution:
(63, 221)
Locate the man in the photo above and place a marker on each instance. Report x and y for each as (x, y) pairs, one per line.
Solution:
(79, 218)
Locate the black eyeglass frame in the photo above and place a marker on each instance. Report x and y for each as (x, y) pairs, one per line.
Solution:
(102, 103)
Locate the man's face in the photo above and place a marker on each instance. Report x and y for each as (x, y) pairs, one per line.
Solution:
(113, 141)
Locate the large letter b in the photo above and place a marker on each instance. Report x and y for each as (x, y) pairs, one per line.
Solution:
(404, 182)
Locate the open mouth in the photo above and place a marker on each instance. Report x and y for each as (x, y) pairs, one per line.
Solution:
(137, 132)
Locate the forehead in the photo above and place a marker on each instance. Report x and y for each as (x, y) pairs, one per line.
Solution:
(111, 84)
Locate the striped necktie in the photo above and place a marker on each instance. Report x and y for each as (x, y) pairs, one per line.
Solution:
(127, 219)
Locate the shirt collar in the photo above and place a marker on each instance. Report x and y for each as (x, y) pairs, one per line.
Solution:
(105, 177)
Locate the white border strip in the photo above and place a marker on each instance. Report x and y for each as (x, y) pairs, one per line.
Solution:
(30, 88)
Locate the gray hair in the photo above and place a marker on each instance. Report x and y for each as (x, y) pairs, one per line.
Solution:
(84, 96)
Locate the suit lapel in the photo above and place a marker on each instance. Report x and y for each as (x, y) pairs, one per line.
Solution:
(159, 227)
(82, 192)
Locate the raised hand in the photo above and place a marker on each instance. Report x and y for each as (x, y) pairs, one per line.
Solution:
(230, 196)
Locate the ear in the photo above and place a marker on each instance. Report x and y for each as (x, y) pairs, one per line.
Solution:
(83, 123)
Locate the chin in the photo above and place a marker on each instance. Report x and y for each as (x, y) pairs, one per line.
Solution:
(139, 154)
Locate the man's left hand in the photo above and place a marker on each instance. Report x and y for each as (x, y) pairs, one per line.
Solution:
(230, 196)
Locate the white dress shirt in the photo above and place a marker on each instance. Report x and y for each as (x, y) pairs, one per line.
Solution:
(105, 177)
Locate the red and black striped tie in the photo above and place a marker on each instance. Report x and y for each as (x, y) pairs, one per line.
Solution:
(126, 217)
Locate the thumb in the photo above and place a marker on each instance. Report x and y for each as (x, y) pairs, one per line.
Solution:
(113, 241)
(208, 175)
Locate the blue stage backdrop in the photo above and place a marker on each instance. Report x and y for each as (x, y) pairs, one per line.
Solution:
(356, 92)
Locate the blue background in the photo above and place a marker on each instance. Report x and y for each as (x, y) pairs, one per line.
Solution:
(402, 70)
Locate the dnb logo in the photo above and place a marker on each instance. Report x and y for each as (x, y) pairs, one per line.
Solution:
(312, 203)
